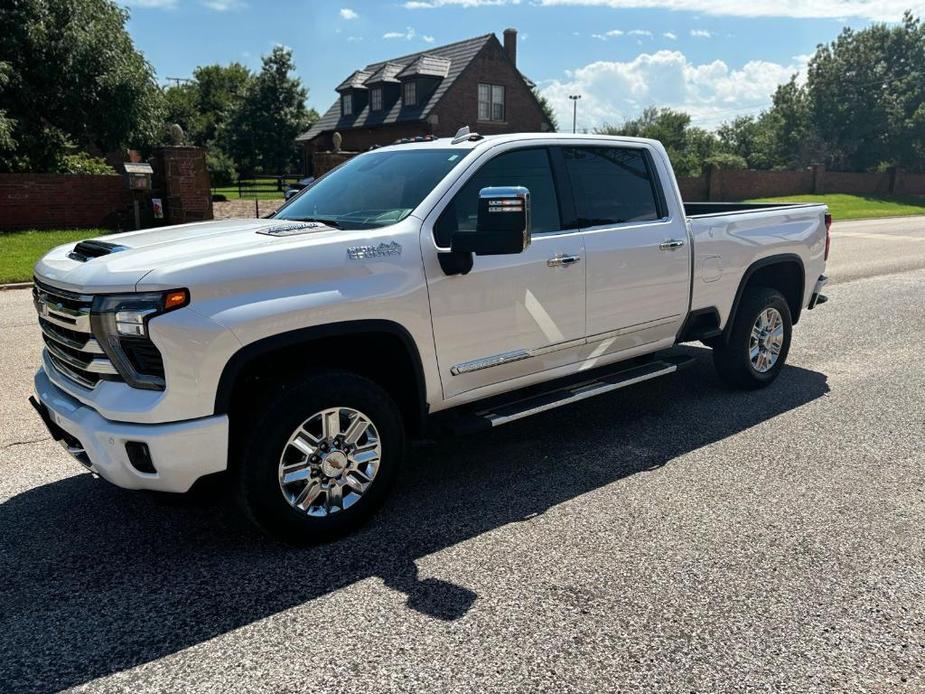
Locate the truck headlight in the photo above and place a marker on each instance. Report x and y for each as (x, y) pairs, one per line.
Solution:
(120, 325)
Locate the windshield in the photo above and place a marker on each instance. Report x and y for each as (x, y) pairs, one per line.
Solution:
(373, 190)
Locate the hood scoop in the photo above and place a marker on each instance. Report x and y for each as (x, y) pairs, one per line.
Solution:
(293, 229)
(85, 250)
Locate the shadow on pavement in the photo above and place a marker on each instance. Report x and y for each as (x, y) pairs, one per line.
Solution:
(97, 580)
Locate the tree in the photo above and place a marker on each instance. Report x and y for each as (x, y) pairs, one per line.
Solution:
(547, 109)
(262, 132)
(73, 79)
(688, 147)
(865, 93)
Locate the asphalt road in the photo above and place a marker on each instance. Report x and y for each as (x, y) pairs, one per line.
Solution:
(673, 536)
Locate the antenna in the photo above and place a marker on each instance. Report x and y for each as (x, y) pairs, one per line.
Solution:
(461, 135)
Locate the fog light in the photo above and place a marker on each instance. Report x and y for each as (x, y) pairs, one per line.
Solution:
(139, 456)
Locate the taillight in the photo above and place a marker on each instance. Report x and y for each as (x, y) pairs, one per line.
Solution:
(828, 234)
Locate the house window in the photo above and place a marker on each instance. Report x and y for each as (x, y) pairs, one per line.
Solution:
(409, 94)
(346, 105)
(375, 99)
(491, 102)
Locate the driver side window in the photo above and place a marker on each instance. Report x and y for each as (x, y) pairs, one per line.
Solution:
(529, 168)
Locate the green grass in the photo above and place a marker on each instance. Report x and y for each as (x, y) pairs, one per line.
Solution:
(845, 207)
(231, 192)
(19, 250)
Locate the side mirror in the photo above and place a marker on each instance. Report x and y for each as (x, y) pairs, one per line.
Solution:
(503, 225)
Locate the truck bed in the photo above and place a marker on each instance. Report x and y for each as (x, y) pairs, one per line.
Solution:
(706, 209)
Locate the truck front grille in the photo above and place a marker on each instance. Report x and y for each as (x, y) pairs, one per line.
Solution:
(70, 346)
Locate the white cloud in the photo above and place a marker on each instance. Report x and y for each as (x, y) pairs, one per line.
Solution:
(157, 4)
(882, 10)
(613, 33)
(408, 34)
(670, 35)
(710, 92)
(347, 13)
(639, 32)
(427, 38)
(224, 5)
(430, 4)
(700, 33)
(354, 39)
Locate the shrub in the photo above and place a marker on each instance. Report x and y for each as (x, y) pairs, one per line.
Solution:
(221, 168)
(726, 160)
(83, 163)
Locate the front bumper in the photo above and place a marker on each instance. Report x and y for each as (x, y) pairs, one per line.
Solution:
(181, 452)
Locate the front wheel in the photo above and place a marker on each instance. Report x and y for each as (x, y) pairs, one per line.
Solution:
(320, 458)
(758, 340)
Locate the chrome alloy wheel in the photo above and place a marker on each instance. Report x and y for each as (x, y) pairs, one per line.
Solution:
(766, 340)
(329, 461)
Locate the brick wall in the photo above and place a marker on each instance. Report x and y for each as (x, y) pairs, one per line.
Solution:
(63, 201)
(746, 184)
(858, 183)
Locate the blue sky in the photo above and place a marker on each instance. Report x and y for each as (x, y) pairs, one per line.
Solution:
(714, 58)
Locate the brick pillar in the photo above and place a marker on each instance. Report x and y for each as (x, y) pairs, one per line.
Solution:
(182, 181)
(714, 177)
(896, 184)
(818, 179)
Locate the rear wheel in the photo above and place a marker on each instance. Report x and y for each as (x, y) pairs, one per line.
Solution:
(758, 341)
(321, 457)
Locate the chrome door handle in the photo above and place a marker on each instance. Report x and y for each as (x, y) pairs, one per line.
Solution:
(563, 261)
(670, 244)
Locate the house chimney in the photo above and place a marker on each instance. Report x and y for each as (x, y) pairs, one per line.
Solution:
(510, 44)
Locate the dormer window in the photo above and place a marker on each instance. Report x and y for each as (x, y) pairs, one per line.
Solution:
(375, 99)
(409, 94)
(346, 105)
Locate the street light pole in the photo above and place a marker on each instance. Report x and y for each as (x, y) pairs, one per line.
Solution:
(574, 98)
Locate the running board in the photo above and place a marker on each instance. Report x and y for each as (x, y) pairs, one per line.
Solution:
(512, 410)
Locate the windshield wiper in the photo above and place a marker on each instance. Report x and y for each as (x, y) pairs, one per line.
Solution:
(328, 222)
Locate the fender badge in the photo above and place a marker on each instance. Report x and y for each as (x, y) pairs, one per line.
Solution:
(380, 251)
(290, 229)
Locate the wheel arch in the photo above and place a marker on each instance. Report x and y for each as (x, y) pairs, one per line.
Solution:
(380, 350)
(784, 272)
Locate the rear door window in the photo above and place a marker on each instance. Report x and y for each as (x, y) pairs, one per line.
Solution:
(612, 185)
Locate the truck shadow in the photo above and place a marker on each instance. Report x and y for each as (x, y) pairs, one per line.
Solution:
(97, 580)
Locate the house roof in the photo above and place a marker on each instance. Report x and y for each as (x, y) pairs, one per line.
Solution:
(386, 73)
(355, 81)
(447, 62)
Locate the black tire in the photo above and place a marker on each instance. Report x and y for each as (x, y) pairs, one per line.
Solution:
(731, 356)
(256, 472)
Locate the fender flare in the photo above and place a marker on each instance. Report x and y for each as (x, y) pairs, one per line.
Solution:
(248, 353)
(778, 259)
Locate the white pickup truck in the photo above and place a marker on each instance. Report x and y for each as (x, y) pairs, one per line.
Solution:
(459, 284)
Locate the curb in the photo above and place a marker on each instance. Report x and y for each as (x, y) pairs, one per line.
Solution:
(15, 285)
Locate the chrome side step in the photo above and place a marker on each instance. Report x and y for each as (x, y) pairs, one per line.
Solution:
(518, 409)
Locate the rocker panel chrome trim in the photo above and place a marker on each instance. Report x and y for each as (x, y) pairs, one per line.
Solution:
(521, 354)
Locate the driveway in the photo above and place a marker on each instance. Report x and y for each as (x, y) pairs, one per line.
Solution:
(673, 536)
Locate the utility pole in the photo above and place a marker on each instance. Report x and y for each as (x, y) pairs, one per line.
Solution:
(178, 80)
(574, 98)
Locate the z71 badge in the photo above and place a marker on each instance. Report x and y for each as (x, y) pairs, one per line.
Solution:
(380, 251)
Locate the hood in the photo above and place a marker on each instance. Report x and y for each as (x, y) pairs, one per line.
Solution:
(118, 262)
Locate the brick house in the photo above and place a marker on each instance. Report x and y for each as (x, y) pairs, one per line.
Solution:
(435, 92)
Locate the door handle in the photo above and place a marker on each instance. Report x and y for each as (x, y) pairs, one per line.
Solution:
(670, 244)
(563, 261)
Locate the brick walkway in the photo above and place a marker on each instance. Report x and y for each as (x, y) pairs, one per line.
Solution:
(243, 208)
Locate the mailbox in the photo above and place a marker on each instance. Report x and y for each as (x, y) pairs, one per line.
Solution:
(138, 176)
